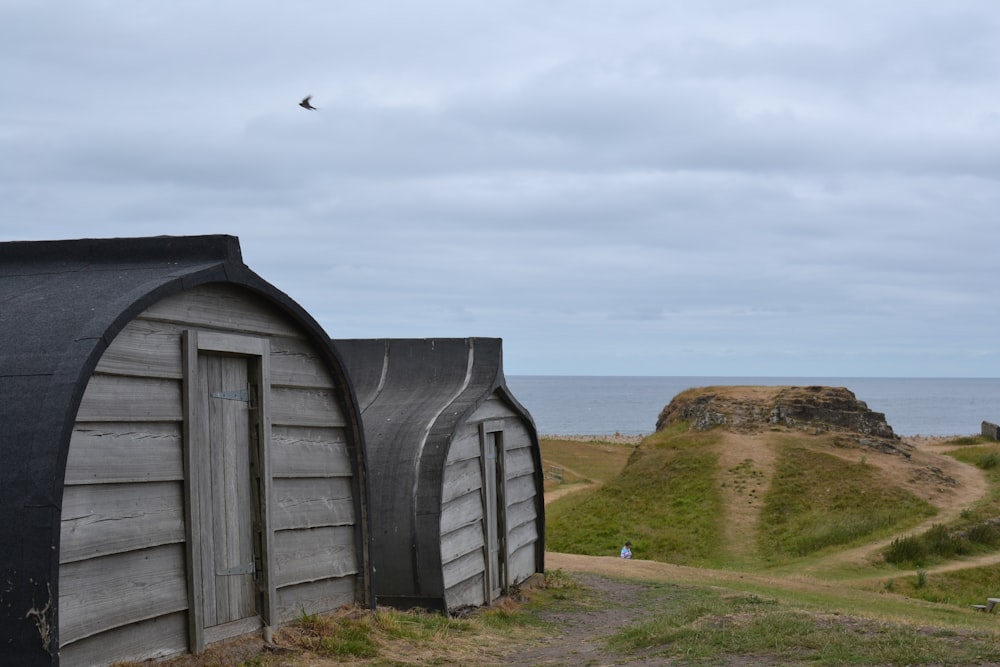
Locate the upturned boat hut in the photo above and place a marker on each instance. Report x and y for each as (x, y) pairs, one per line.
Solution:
(457, 485)
(183, 459)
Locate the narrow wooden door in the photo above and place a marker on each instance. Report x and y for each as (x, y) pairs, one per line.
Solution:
(226, 505)
(494, 514)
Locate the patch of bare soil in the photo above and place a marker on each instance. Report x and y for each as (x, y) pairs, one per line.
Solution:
(581, 638)
(566, 490)
(746, 466)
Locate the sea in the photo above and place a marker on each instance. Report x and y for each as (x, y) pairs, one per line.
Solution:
(603, 405)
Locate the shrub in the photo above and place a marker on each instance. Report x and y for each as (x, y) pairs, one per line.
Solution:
(940, 543)
(986, 534)
(989, 460)
(907, 549)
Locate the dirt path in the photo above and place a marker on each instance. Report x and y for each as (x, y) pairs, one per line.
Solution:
(746, 466)
(555, 494)
(565, 490)
(583, 630)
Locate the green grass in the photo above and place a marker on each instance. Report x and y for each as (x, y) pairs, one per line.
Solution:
(961, 588)
(982, 457)
(350, 638)
(706, 627)
(665, 501)
(818, 500)
(418, 625)
(596, 461)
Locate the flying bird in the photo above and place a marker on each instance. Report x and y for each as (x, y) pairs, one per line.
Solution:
(305, 103)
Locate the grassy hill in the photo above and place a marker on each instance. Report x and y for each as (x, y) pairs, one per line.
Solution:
(810, 498)
(675, 497)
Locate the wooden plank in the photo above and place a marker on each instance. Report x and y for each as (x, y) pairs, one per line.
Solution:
(115, 398)
(313, 502)
(521, 535)
(305, 407)
(98, 520)
(226, 308)
(491, 409)
(103, 593)
(195, 457)
(461, 511)
(466, 567)
(313, 554)
(263, 448)
(465, 445)
(318, 597)
(309, 452)
(205, 540)
(237, 628)
(125, 452)
(491, 425)
(518, 462)
(296, 363)
(521, 513)
(522, 564)
(229, 343)
(459, 542)
(461, 478)
(467, 593)
(146, 349)
(157, 638)
(521, 489)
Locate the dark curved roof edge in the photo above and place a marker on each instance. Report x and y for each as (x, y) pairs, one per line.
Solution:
(61, 305)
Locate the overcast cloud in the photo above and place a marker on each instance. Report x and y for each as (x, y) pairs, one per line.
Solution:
(777, 188)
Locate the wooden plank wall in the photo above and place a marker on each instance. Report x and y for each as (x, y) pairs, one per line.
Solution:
(462, 530)
(122, 592)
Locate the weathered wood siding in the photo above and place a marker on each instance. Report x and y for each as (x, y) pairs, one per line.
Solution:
(123, 591)
(463, 538)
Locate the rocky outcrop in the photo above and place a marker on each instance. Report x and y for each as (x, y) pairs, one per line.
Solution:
(753, 408)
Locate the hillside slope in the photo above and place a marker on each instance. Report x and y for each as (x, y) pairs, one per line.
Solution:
(751, 477)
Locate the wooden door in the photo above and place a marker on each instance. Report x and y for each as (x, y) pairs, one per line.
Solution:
(225, 498)
(494, 514)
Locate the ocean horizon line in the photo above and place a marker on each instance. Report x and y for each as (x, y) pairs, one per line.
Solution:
(630, 404)
(765, 377)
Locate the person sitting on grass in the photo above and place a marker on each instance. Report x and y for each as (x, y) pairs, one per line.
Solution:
(627, 550)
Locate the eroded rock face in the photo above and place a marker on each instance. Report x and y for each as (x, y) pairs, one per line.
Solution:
(751, 408)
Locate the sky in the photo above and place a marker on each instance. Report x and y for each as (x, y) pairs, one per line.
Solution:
(712, 188)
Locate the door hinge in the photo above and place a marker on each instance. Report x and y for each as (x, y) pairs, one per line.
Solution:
(234, 395)
(243, 568)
